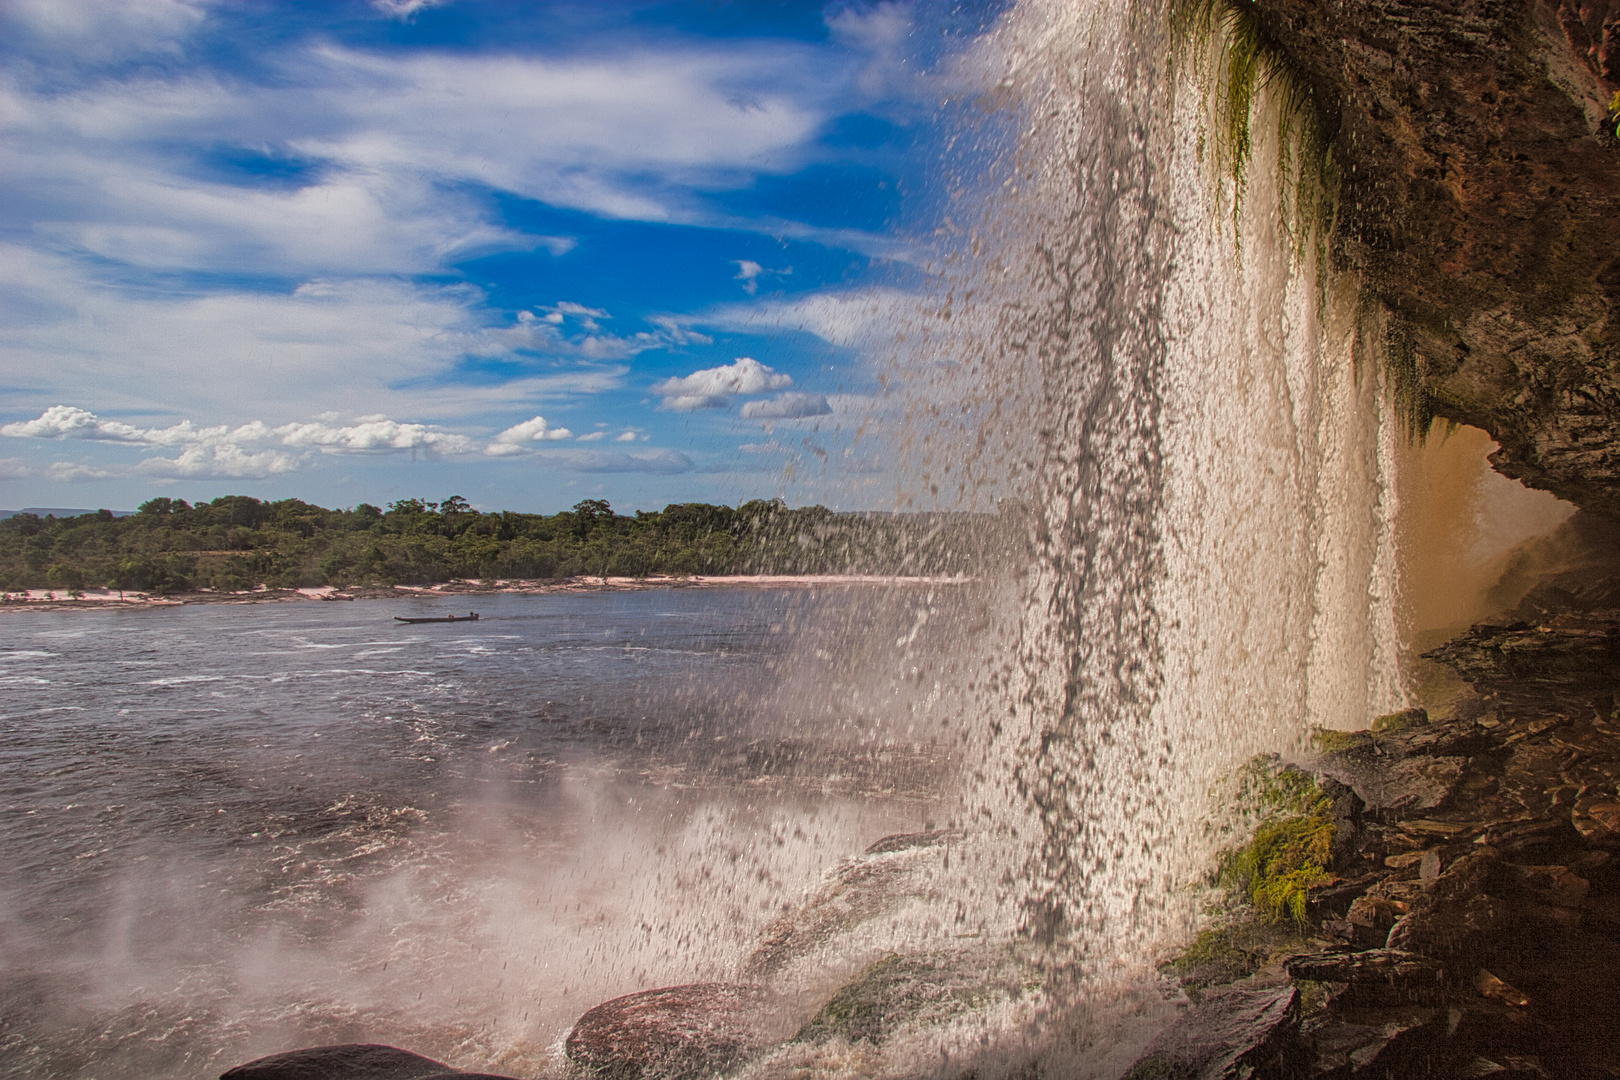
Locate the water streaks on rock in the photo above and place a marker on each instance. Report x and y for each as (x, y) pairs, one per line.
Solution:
(670, 1033)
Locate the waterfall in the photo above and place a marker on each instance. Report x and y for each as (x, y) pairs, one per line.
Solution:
(1172, 386)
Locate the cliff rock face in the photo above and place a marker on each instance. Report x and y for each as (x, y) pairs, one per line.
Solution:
(1481, 183)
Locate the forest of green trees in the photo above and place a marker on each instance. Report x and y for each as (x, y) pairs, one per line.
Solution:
(236, 542)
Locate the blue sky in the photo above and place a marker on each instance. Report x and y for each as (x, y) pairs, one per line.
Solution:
(528, 253)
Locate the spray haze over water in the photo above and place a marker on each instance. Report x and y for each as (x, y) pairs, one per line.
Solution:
(1162, 395)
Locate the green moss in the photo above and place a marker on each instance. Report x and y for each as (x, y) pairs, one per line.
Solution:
(1292, 842)
(1285, 858)
(1231, 951)
(897, 991)
(1330, 741)
(1401, 721)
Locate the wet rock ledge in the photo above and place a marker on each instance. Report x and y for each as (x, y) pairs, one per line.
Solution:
(1470, 925)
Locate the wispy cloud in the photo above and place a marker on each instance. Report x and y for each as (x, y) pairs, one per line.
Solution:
(404, 9)
(97, 30)
(790, 406)
(359, 346)
(714, 388)
(855, 318)
(749, 272)
(660, 462)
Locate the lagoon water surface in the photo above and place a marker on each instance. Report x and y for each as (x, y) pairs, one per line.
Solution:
(230, 830)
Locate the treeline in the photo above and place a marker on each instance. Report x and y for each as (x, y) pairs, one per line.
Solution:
(237, 542)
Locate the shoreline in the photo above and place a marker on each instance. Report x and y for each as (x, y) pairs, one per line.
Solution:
(106, 599)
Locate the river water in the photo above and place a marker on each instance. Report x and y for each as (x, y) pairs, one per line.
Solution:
(230, 830)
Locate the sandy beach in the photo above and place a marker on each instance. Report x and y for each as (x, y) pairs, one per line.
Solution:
(64, 599)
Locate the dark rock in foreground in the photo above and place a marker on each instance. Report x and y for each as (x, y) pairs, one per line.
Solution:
(1250, 1033)
(349, 1061)
(1470, 925)
(671, 1033)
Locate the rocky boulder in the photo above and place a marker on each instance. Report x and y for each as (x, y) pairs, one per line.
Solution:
(670, 1033)
(890, 872)
(1248, 1032)
(349, 1061)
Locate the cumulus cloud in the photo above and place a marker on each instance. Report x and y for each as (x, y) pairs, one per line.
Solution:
(372, 433)
(512, 439)
(223, 450)
(69, 422)
(220, 461)
(790, 406)
(255, 450)
(713, 388)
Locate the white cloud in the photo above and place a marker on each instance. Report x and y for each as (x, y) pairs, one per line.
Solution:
(713, 388)
(70, 472)
(550, 334)
(372, 434)
(512, 439)
(749, 272)
(395, 147)
(404, 9)
(223, 451)
(105, 29)
(251, 450)
(221, 461)
(660, 462)
(356, 346)
(790, 406)
(858, 319)
(69, 422)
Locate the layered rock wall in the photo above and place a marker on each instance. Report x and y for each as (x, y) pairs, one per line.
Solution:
(1480, 187)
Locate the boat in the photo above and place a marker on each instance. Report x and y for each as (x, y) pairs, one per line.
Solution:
(471, 616)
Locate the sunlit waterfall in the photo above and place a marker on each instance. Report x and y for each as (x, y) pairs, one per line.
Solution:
(1206, 463)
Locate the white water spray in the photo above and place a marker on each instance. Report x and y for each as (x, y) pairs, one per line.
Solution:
(1209, 471)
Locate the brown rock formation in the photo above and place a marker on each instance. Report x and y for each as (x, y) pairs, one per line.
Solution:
(1480, 189)
(671, 1033)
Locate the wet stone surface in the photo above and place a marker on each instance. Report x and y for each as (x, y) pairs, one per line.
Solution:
(670, 1033)
(349, 1061)
(1471, 923)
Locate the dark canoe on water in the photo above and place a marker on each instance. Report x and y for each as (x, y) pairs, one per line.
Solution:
(471, 616)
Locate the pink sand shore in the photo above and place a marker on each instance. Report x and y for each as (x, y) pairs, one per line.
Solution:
(58, 599)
